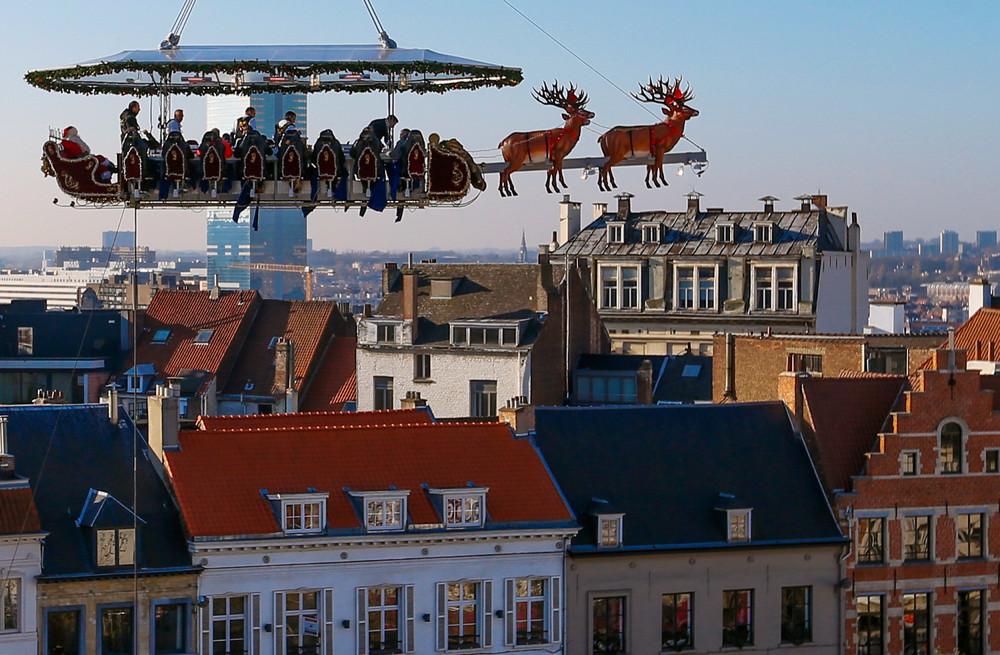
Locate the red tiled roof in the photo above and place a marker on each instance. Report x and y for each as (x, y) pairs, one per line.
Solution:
(185, 313)
(846, 416)
(316, 420)
(335, 382)
(307, 324)
(18, 514)
(979, 337)
(218, 475)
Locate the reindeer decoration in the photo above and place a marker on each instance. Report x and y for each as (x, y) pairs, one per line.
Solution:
(620, 142)
(546, 145)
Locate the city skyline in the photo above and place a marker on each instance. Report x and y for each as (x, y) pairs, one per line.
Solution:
(802, 98)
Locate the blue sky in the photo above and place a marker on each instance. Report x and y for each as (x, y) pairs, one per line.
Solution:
(890, 108)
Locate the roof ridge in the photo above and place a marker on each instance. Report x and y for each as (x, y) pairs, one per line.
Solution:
(344, 428)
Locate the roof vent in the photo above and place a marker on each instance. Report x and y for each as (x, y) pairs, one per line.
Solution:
(768, 203)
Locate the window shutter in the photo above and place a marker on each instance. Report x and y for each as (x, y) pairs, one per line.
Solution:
(206, 627)
(255, 623)
(555, 584)
(328, 621)
(487, 589)
(510, 624)
(408, 593)
(442, 616)
(279, 622)
(362, 621)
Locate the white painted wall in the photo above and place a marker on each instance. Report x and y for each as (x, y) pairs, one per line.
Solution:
(24, 561)
(840, 308)
(344, 565)
(447, 391)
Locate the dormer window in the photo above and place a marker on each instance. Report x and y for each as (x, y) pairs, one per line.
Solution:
(484, 334)
(464, 508)
(738, 525)
(763, 232)
(385, 333)
(114, 529)
(204, 336)
(301, 513)
(116, 547)
(383, 510)
(161, 336)
(651, 233)
(616, 232)
(725, 233)
(609, 527)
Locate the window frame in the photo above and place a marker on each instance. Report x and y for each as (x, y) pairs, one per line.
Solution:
(731, 615)
(764, 231)
(909, 464)
(25, 341)
(514, 617)
(912, 643)
(421, 366)
(618, 637)
(184, 604)
(482, 610)
(970, 644)
(161, 336)
(617, 300)
(483, 401)
(290, 501)
(105, 607)
(318, 612)
(448, 497)
(17, 584)
(382, 498)
(617, 524)
(383, 392)
(739, 525)
(798, 628)
(867, 648)
(121, 557)
(725, 232)
(868, 546)
(385, 332)
(204, 337)
(991, 460)
(772, 304)
(975, 543)
(81, 615)
(694, 303)
(404, 619)
(951, 455)
(652, 233)
(916, 549)
(228, 619)
(616, 232)
(671, 643)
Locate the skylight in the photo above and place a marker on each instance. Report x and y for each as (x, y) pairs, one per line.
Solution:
(204, 336)
(161, 336)
(691, 371)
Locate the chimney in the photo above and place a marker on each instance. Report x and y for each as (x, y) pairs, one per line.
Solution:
(518, 414)
(624, 205)
(389, 273)
(600, 209)
(113, 404)
(545, 284)
(768, 204)
(554, 244)
(410, 291)
(164, 421)
(412, 400)
(980, 295)
(805, 203)
(730, 391)
(569, 219)
(694, 203)
(543, 252)
(366, 310)
(820, 201)
(790, 391)
(284, 365)
(644, 383)
(213, 293)
(6, 459)
(854, 234)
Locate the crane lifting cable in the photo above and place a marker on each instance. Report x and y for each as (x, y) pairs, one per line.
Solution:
(174, 37)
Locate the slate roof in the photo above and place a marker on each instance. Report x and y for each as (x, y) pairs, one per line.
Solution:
(670, 385)
(308, 324)
(185, 313)
(416, 416)
(335, 383)
(693, 235)
(486, 291)
(666, 466)
(89, 452)
(18, 514)
(845, 416)
(218, 475)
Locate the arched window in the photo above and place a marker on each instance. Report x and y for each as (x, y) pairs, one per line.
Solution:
(951, 448)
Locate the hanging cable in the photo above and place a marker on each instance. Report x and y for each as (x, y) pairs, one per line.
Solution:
(383, 37)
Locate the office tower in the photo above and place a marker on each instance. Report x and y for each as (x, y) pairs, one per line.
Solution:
(949, 242)
(986, 239)
(892, 243)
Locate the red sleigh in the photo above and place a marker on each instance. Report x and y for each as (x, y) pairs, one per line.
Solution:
(79, 177)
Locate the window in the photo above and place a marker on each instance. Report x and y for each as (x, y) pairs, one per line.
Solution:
(796, 614)
(383, 392)
(620, 287)
(706, 288)
(916, 538)
(385, 333)
(463, 510)
(685, 287)
(532, 611)
(970, 622)
(609, 624)
(724, 233)
(870, 625)
(610, 526)
(606, 389)
(117, 624)
(692, 280)
(483, 398)
(464, 615)
(737, 617)
(170, 628)
(385, 619)
(229, 625)
(803, 363)
(916, 624)
(887, 360)
(10, 605)
(384, 513)
(651, 233)
(763, 232)
(64, 631)
(616, 233)
(970, 535)
(302, 621)
(911, 462)
(992, 461)
(677, 622)
(951, 448)
(480, 335)
(870, 540)
(116, 547)
(273, 343)
(204, 336)
(25, 341)
(774, 288)
(421, 366)
(161, 336)
(301, 516)
(738, 525)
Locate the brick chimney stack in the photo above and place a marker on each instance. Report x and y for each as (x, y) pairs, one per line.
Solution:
(412, 400)
(569, 219)
(6, 459)
(624, 205)
(694, 203)
(411, 281)
(163, 409)
(644, 385)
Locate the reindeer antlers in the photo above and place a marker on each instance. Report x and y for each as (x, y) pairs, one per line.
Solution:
(560, 97)
(665, 92)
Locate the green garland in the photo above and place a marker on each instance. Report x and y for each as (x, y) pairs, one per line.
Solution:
(71, 80)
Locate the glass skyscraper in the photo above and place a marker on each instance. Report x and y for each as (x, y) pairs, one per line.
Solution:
(281, 234)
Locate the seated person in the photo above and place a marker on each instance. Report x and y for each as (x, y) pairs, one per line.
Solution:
(402, 147)
(73, 147)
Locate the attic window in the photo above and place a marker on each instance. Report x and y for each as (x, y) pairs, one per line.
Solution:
(161, 336)
(616, 233)
(463, 508)
(738, 526)
(383, 510)
(204, 336)
(274, 342)
(763, 232)
(725, 232)
(116, 547)
(651, 233)
(609, 530)
(302, 513)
